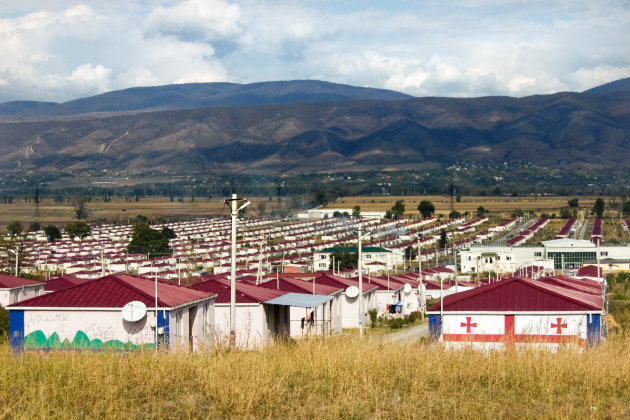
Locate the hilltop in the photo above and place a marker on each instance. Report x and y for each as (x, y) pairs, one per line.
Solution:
(311, 135)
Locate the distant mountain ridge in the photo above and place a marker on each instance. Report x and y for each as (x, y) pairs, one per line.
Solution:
(561, 129)
(200, 95)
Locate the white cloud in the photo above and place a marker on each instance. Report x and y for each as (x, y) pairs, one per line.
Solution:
(196, 20)
(452, 48)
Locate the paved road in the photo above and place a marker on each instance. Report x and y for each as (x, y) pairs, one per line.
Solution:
(503, 239)
(408, 335)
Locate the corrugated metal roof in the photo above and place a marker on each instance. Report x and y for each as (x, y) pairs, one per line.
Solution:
(62, 283)
(520, 295)
(344, 282)
(300, 286)
(115, 291)
(301, 300)
(245, 293)
(9, 282)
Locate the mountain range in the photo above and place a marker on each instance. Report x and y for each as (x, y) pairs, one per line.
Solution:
(311, 126)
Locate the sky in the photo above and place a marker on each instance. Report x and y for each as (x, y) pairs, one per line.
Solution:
(58, 50)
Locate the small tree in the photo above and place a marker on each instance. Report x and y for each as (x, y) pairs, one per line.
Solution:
(53, 233)
(356, 211)
(398, 209)
(344, 259)
(626, 207)
(15, 228)
(454, 214)
(573, 202)
(481, 211)
(168, 233)
(426, 208)
(34, 227)
(78, 230)
(145, 240)
(443, 239)
(79, 207)
(599, 207)
(262, 208)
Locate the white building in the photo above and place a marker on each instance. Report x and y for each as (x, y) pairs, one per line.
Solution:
(16, 289)
(90, 316)
(387, 258)
(551, 255)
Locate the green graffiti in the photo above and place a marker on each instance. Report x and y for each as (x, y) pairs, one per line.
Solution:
(37, 341)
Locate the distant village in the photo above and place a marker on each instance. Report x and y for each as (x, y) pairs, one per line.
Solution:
(473, 278)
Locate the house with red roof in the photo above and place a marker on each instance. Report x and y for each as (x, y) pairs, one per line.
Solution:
(519, 311)
(15, 289)
(258, 319)
(119, 312)
(349, 302)
(319, 320)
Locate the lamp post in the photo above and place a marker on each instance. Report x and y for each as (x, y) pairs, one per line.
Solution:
(234, 202)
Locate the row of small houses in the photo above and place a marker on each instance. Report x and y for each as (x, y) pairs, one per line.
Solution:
(89, 314)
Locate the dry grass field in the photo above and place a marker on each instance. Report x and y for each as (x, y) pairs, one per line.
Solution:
(118, 210)
(339, 378)
(496, 205)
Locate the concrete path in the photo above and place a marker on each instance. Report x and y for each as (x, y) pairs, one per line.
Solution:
(408, 335)
(503, 239)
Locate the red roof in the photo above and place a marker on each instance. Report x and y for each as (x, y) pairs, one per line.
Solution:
(520, 295)
(344, 282)
(590, 271)
(115, 291)
(245, 293)
(9, 282)
(61, 283)
(288, 284)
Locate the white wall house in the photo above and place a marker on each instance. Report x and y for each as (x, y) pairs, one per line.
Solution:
(16, 289)
(90, 316)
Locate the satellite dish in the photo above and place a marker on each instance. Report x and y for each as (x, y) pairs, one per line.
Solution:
(407, 288)
(352, 291)
(134, 311)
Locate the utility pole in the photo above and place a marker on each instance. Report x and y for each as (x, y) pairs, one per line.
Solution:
(234, 203)
(360, 286)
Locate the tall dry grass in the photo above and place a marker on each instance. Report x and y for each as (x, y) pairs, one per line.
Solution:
(338, 378)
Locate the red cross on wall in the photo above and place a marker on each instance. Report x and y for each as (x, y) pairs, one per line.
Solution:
(558, 325)
(469, 324)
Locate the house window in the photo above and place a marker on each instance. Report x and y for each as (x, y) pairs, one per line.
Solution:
(604, 253)
(368, 256)
(16, 296)
(538, 254)
(322, 265)
(322, 257)
(508, 258)
(37, 291)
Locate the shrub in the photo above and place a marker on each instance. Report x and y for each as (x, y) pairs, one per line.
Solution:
(4, 324)
(413, 317)
(396, 323)
(373, 315)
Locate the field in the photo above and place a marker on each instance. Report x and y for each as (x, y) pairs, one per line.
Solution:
(120, 211)
(339, 378)
(496, 205)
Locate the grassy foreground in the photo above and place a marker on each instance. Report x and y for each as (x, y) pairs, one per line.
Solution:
(341, 377)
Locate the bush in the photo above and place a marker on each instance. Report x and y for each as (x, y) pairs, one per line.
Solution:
(373, 315)
(396, 323)
(413, 317)
(4, 324)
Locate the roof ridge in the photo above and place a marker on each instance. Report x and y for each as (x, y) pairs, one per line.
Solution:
(135, 289)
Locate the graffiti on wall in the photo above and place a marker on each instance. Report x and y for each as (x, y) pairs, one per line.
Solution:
(37, 340)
